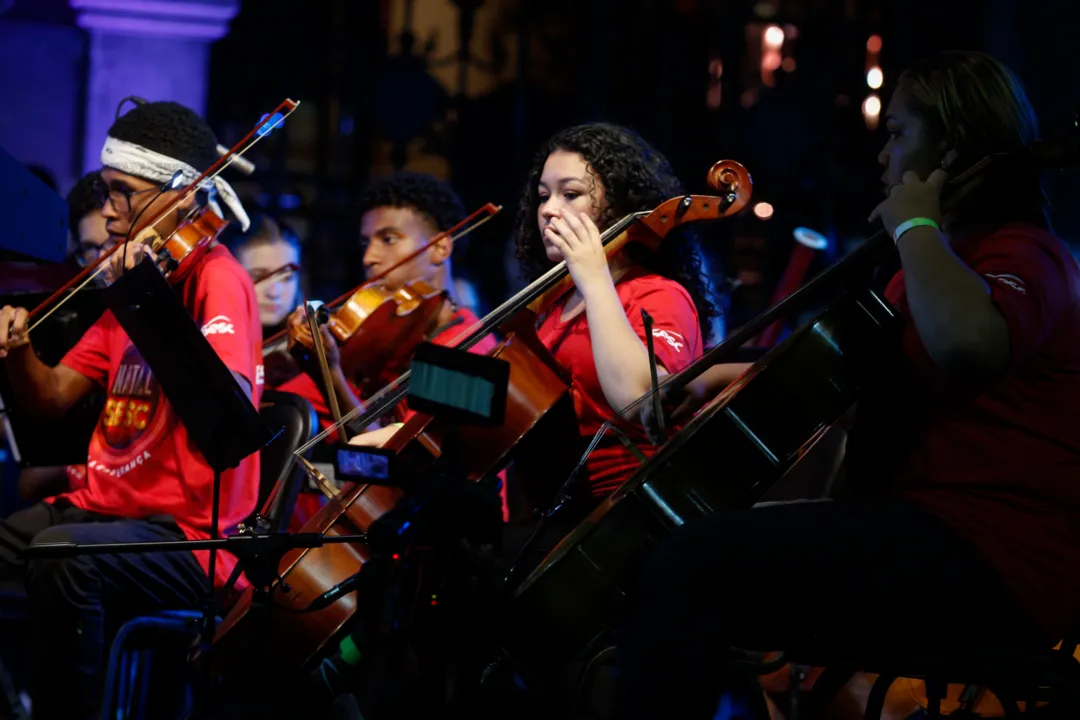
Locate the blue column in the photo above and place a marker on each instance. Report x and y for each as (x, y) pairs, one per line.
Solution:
(155, 50)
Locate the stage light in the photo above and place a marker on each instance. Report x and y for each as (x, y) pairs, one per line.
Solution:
(874, 77)
(774, 36)
(763, 210)
(810, 238)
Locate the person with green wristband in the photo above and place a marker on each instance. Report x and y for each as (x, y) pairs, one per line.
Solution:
(960, 520)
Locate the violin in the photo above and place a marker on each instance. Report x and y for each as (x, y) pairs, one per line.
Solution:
(539, 417)
(377, 328)
(183, 248)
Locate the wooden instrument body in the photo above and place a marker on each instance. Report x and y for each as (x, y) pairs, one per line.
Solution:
(540, 429)
(181, 251)
(727, 457)
(288, 639)
(291, 639)
(378, 330)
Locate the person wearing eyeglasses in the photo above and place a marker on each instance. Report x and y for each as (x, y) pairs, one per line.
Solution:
(86, 223)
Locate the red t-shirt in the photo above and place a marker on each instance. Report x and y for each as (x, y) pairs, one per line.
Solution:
(1003, 466)
(141, 462)
(676, 340)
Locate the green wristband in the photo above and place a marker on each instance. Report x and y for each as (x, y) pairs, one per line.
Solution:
(913, 223)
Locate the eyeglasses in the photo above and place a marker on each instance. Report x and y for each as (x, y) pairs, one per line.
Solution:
(88, 253)
(121, 198)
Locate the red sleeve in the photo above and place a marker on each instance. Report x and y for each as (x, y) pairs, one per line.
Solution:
(225, 309)
(90, 356)
(1029, 285)
(306, 388)
(676, 330)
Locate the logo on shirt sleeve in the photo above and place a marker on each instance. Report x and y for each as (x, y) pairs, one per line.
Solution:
(1011, 280)
(218, 325)
(674, 339)
(260, 374)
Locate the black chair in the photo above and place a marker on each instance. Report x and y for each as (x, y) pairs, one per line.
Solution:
(131, 655)
(299, 423)
(1013, 676)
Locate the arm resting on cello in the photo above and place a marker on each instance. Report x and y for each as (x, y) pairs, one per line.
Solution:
(695, 395)
(44, 392)
(963, 331)
(622, 361)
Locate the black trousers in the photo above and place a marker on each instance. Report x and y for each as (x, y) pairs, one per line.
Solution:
(875, 574)
(76, 604)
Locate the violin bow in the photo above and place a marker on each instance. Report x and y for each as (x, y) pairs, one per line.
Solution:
(490, 208)
(81, 280)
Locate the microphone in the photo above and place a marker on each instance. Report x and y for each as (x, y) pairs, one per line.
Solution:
(331, 596)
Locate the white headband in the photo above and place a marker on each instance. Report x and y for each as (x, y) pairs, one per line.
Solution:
(153, 166)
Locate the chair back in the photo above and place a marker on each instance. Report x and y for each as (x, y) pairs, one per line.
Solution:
(296, 419)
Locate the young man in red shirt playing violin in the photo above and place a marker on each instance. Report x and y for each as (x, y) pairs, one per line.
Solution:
(962, 525)
(145, 480)
(400, 213)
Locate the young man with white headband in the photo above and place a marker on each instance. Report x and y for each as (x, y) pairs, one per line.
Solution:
(145, 480)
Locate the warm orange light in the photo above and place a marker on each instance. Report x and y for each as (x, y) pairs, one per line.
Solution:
(716, 68)
(763, 210)
(770, 61)
(788, 65)
(874, 43)
(871, 111)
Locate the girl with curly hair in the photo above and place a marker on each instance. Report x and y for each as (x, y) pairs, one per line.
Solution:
(584, 179)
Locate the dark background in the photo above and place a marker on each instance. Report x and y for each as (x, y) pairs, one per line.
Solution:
(373, 101)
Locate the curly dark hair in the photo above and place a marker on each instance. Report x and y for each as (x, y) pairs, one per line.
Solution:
(171, 129)
(426, 194)
(635, 177)
(87, 196)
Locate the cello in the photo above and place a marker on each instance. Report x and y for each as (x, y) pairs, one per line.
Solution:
(765, 424)
(538, 394)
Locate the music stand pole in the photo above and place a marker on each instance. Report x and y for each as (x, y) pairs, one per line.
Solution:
(216, 411)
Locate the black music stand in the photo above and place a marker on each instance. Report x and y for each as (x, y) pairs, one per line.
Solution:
(216, 411)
